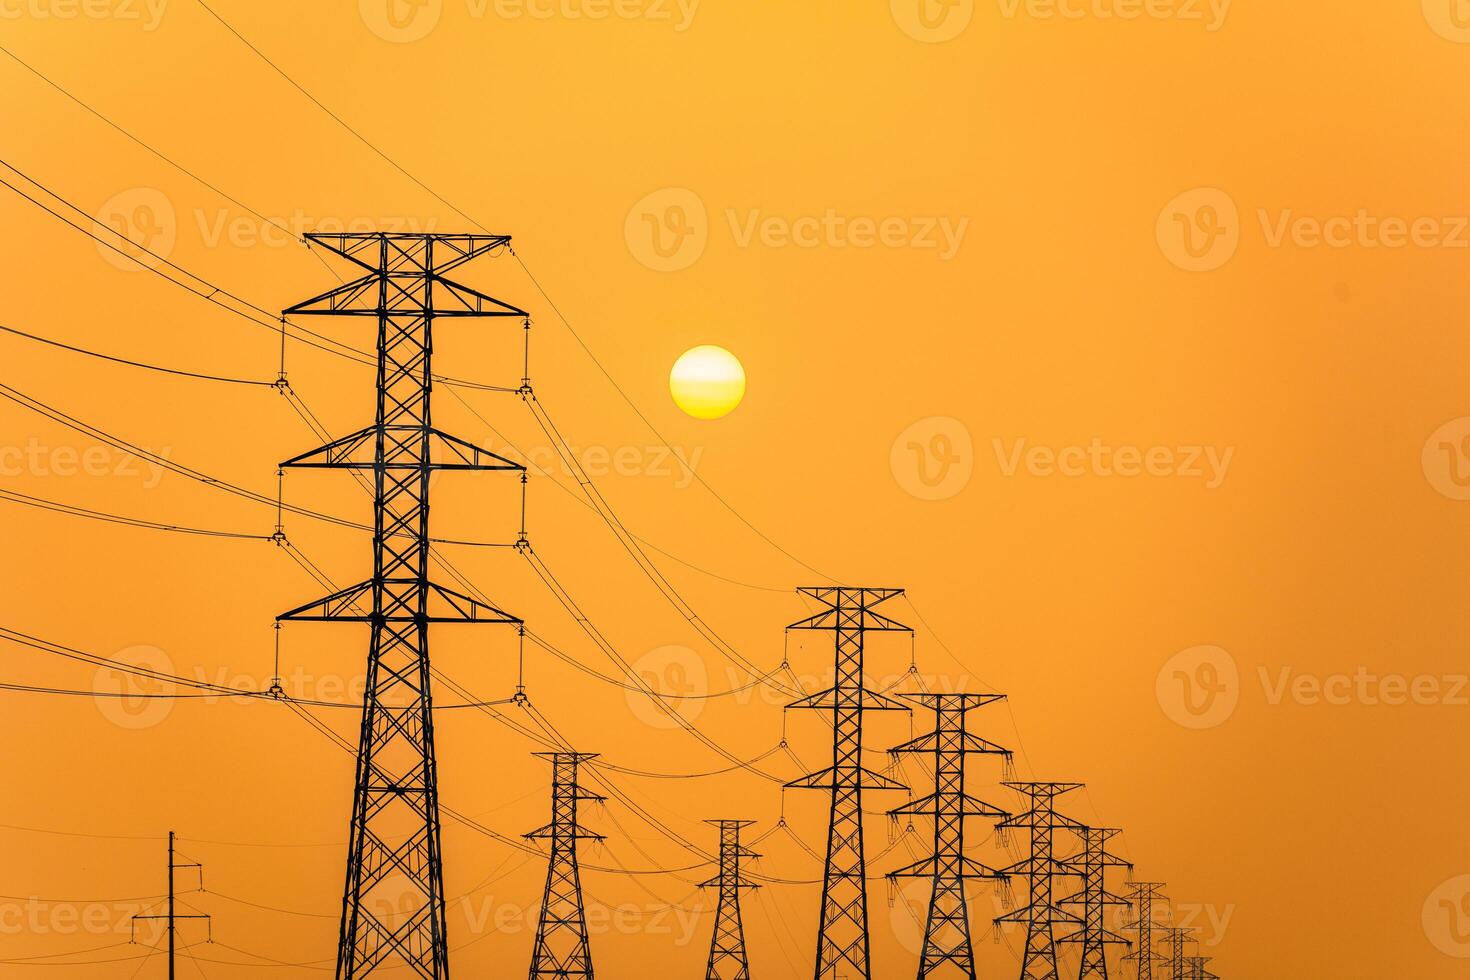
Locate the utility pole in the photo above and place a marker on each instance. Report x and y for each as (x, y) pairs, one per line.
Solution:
(394, 839)
(1094, 898)
(727, 957)
(1143, 922)
(1041, 867)
(1176, 937)
(172, 917)
(562, 951)
(947, 926)
(842, 935)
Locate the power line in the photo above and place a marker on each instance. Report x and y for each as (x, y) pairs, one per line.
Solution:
(244, 308)
(137, 364)
(97, 515)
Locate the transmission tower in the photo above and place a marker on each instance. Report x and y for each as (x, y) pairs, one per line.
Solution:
(1041, 867)
(172, 916)
(393, 905)
(947, 926)
(561, 934)
(1094, 898)
(842, 936)
(1176, 937)
(727, 959)
(1144, 923)
(1197, 969)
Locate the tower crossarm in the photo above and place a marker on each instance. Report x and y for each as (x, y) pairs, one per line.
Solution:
(447, 452)
(934, 866)
(945, 805)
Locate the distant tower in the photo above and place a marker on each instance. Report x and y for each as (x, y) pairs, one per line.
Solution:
(727, 958)
(561, 951)
(947, 926)
(1144, 923)
(1094, 898)
(172, 916)
(842, 936)
(1176, 937)
(1041, 867)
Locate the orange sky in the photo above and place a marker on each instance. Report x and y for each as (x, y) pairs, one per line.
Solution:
(1129, 345)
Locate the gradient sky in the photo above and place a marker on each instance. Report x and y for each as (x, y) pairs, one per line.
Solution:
(1130, 345)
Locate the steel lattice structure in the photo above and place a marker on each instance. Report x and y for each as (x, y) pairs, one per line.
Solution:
(1042, 914)
(562, 951)
(842, 935)
(1144, 923)
(727, 956)
(1176, 937)
(393, 904)
(947, 925)
(1094, 898)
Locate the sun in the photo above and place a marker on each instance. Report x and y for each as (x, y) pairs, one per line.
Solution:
(707, 382)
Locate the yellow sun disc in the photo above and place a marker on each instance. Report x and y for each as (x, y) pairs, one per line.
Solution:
(707, 382)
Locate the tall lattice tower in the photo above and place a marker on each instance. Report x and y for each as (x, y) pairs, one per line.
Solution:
(562, 951)
(1177, 937)
(842, 935)
(1042, 914)
(393, 905)
(947, 926)
(727, 957)
(1094, 899)
(1143, 922)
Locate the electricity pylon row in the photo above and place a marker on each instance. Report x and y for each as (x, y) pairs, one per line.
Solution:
(394, 847)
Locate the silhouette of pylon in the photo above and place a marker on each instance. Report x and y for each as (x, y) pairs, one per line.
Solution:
(1144, 922)
(947, 926)
(842, 934)
(1094, 898)
(727, 957)
(562, 951)
(393, 851)
(1041, 867)
(1176, 937)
